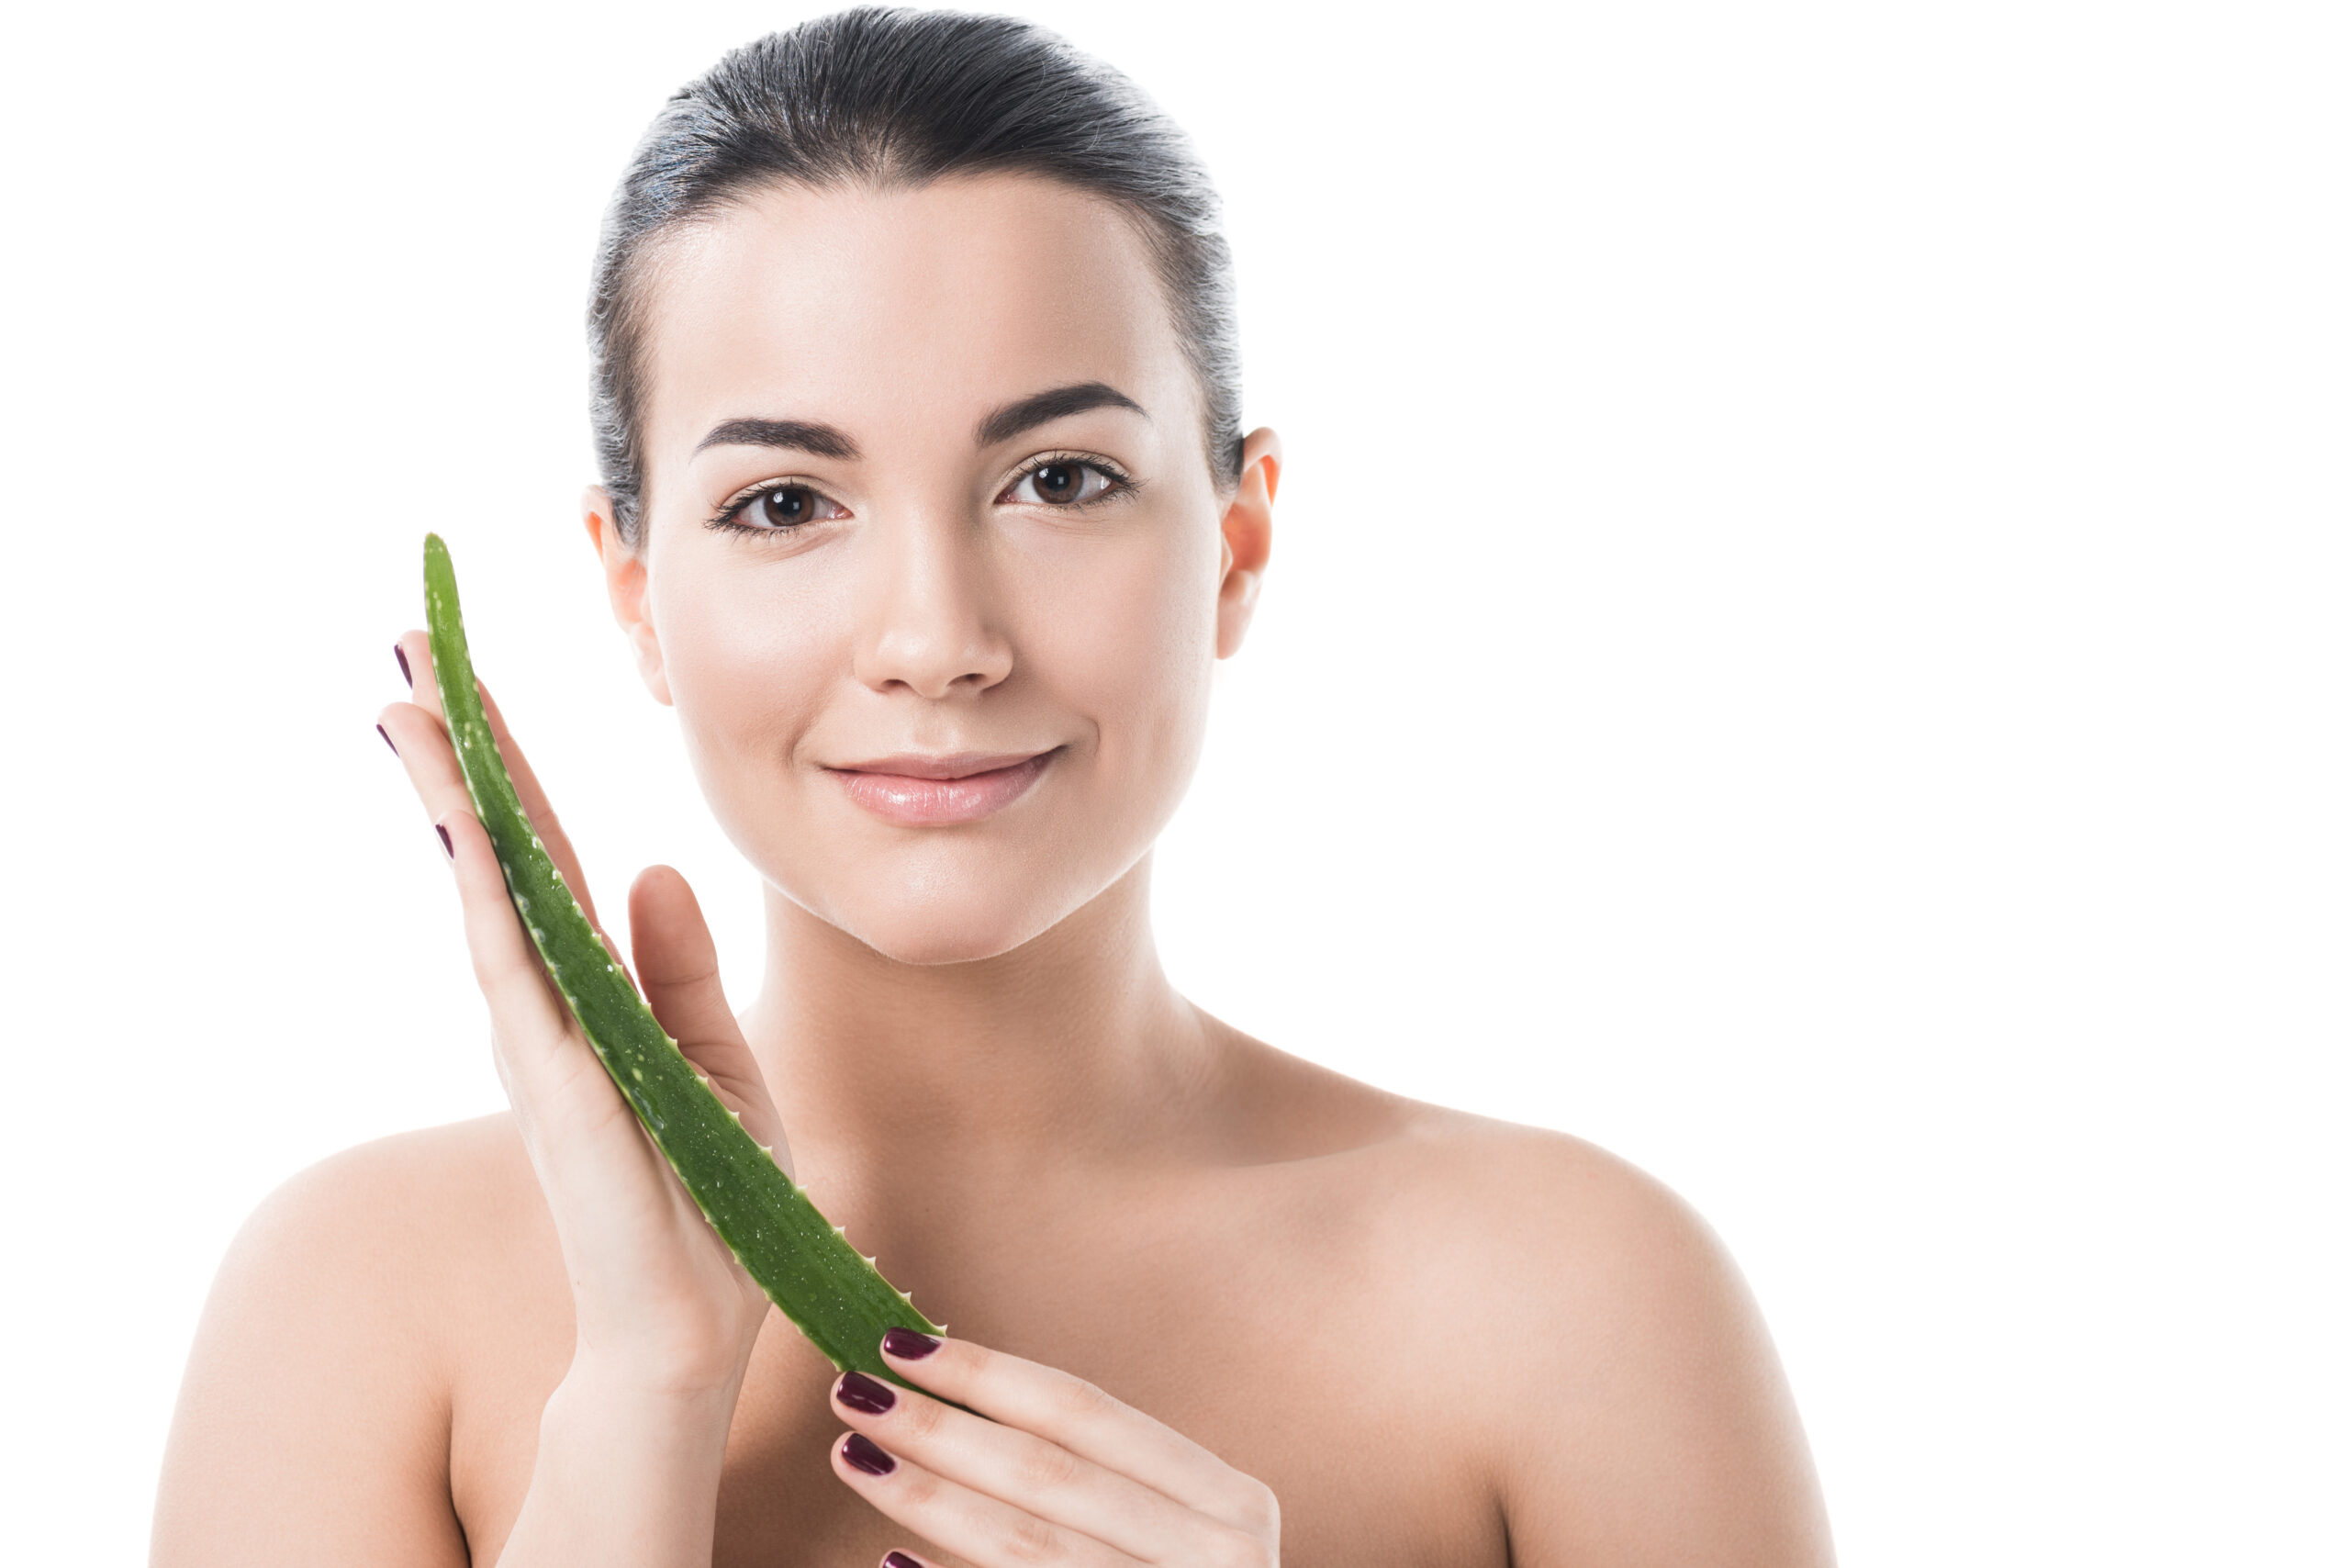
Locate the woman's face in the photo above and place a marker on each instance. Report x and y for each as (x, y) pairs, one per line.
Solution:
(932, 563)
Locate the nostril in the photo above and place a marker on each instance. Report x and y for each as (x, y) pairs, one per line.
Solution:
(932, 626)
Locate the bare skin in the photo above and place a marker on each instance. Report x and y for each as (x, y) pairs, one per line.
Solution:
(1333, 1324)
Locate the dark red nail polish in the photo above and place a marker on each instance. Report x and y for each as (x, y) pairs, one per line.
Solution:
(909, 1346)
(898, 1559)
(448, 845)
(866, 1454)
(388, 740)
(870, 1395)
(401, 653)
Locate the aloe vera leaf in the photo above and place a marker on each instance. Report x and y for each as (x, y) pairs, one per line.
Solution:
(831, 1292)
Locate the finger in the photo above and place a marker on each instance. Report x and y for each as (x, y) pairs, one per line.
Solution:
(563, 1098)
(422, 743)
(525, 1008)
(493, 931)
(676, 960)
(430, 761)
(975, 1527)
(1029, 1474)
(413, 650)
(538, 808)
(1072, 1413)
(677, 963)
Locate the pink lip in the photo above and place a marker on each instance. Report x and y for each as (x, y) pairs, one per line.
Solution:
(934, 791)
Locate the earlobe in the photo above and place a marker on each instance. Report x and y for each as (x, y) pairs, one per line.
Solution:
(1248, 539)
(625, 584)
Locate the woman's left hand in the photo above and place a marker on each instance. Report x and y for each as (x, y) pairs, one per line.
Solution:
(1052, 1469)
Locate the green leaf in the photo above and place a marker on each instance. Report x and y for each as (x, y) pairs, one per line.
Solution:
(825, 1286)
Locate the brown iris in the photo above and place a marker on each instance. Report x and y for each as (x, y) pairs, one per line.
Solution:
(1059, 481)
(785, 505)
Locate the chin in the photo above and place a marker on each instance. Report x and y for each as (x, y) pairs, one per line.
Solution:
(962, 916)
(932, 945)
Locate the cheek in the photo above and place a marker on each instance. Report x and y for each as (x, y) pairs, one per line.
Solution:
(1125, 639)
(747, 652)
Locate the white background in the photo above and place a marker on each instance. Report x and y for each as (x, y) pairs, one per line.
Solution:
(1806, 643)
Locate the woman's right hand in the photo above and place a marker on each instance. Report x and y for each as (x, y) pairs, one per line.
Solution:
(661, 1306)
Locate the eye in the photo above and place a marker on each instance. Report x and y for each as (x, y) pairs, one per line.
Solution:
(775, 508)
(1063, 482)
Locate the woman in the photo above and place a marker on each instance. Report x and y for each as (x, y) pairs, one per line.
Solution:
(926, 506)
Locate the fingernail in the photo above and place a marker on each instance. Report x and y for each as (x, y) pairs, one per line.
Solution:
(388, 740)
(898, 1559)
(448, 844)
(401, 653)
(907, 1345)
(870, 1395)
(866, 1454)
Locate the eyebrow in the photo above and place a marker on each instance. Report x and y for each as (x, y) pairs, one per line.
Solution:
(799, 435)
(1042, 407)
(1012, 419)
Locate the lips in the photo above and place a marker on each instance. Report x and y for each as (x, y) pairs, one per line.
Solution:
(937, 791)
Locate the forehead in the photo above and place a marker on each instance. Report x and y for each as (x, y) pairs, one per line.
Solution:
(880, 309)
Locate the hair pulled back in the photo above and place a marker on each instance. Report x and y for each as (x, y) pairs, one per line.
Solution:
(893, 99)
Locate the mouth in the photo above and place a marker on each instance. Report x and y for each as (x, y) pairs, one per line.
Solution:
(915, 790)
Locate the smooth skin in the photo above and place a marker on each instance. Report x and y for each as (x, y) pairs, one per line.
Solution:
(1211, 1303)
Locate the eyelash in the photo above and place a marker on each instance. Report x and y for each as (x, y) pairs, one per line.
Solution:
(1118, 485)
(730, 512)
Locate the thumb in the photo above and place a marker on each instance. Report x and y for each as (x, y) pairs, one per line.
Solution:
(677, 963)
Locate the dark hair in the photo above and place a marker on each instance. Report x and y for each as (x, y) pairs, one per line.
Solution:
(889, 98)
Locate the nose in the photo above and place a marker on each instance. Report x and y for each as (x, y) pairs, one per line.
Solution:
(931, 620)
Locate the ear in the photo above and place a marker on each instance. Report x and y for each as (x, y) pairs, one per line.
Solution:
(624, 582)
(1248, 539)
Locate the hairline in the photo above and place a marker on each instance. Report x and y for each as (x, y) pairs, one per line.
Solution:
(632, 328)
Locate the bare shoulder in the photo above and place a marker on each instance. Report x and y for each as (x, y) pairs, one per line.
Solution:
(389, 1235)
(1646, 1417)
(1481, 1188)
(1583, 1227)
(395, 1190)
(1563, 1321)
(314, 1417)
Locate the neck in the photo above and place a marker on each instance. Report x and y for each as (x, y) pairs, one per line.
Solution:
(1072, 1046)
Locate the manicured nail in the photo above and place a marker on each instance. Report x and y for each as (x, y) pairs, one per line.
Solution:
(898, 1559)
(401, 653)
(907, 1345)
(448, 844)
(866, 1454)
(870, 1395)
(388, 740)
